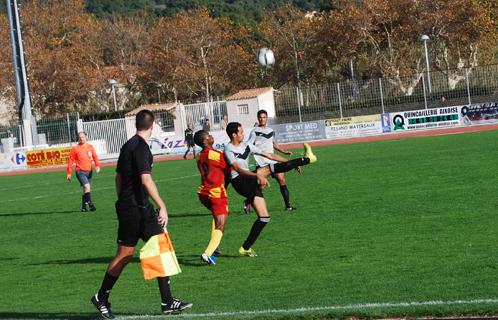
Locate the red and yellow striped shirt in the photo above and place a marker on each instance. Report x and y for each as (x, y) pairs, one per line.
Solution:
(212, 166)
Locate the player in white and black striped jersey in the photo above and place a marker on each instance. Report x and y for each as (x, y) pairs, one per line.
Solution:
(263, 137)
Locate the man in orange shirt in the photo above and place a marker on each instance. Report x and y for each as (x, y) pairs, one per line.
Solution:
(83, 154)
(212, 194)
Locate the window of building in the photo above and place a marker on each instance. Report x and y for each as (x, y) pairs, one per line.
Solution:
(243, 109)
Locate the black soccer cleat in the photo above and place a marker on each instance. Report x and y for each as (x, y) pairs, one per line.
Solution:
(92, 207)
(103, 308)
(175, 307)
(290, 208)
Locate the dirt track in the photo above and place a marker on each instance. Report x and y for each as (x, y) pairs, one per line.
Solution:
(386, 136)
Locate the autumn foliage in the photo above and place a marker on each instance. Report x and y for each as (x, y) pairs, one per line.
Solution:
(192, 55)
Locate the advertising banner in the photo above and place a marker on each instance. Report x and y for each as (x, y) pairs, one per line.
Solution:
(48, 157)
(176, 144)
(300, 131)
(13, 161)
(425, 119)
(353, 126)
(481, 113)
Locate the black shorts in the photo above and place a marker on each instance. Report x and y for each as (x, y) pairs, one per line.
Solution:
(136, 223)
(190, 143)
(84, 177)
(247, 187)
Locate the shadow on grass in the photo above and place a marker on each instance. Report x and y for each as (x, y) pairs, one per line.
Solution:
(20, 214)
(103, 260)
(55, 316)
(195, 260)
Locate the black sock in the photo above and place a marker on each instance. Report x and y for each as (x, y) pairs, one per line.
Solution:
(256, 229)
(106, 287)
(89, 198)
(285, 195)
(83, 200)
(165, 290)
(289, 165)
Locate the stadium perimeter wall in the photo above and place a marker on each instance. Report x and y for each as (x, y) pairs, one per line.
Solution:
(444, 120)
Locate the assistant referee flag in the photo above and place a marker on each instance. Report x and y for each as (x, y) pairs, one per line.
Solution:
(158, 258)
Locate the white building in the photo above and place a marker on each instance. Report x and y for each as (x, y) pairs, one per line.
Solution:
(243, 106)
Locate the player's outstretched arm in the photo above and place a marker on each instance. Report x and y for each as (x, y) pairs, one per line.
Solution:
(278, 148)
(262, 179)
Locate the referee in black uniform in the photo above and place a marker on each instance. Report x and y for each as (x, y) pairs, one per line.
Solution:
(136, 216)
(189, 140)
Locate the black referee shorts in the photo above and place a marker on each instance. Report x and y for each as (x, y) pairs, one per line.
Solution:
(136, 223)
(247, 187)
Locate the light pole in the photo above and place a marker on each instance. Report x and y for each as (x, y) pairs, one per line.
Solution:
(424, 39)
(113, 82)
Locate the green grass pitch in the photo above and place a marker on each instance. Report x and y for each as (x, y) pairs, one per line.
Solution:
(398, 227)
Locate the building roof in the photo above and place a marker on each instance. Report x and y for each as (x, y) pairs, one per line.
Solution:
(154, 108)
(249, 93)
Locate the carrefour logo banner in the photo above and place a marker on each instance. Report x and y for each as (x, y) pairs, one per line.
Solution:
(425, 119)
(13, 161)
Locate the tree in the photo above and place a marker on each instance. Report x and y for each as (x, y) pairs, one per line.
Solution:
(122, 42)
(292, 35)
(195, 55)
(63, 59)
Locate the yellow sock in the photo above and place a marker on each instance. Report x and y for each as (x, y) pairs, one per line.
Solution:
(216, 236)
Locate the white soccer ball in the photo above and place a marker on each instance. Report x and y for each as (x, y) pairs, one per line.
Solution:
(265, 57)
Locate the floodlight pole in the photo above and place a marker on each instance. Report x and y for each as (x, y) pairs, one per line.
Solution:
(23, 94)
(424, 38)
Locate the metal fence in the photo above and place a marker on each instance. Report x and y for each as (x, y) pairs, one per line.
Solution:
(352, 98)
(309, 102)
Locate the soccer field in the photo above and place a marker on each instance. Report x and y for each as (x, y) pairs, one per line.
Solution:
(397, 227)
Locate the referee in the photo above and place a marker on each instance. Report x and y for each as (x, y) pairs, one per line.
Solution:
(136, 216)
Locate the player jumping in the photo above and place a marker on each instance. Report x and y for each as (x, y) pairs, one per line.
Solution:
(250, 184)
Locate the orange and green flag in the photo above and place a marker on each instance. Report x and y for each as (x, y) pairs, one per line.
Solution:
(158, 258)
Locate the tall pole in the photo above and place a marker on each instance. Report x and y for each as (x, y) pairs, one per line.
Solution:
(425, 38)
(23, 94)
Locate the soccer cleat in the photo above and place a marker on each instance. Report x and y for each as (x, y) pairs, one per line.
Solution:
(210, 260)
(92, 207)
(175, 307)
(250, 253)
(247, 206)
(290, 208)
(308, 153)
(103, 308)
(84, 210)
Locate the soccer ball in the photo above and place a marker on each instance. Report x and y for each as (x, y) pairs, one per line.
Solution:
(265, 57)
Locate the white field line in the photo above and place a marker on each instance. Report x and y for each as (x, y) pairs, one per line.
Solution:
(353, 307)
(78, 191)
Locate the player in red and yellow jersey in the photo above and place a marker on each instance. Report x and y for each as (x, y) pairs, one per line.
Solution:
(212, 194)
(83, 154)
